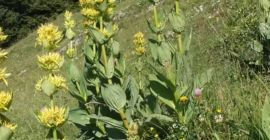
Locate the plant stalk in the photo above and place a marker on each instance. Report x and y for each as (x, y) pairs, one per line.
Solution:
(124, 118)
(156, 22)
(54, 133)
(51, 100)
(177, 9)
(103, 50)
(180, 45)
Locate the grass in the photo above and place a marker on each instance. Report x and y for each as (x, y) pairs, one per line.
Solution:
(239, 97)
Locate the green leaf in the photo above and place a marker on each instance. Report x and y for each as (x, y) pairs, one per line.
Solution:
(257, 46)
(110, 67)
(79, 116)
(103, 6)
(74, 72)
(115, 48)
(48, 87)
(110, 121)
(114, 96)
(132, 89)
(89, 52)
(187, 40)
(70, 34)
(121, 66)
(161, 90)
(164, 54)
(265, 30)
(154, 50)
(189, 114)
(265, 4)
(97, 35)
(159, 117)
(5, 133)
(177, 21)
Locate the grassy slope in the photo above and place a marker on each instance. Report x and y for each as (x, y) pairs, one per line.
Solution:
(232, 96)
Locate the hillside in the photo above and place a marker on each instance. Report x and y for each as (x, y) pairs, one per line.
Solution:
(239, 98)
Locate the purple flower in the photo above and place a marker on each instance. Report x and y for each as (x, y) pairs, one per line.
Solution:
(198, 92)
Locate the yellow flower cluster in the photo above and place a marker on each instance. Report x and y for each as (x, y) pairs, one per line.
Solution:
(90, 12)
(219, 110)
(69, 22)
(5, 100)
(4, 75)
(3, 37)
(9, 125)
(90, 2)
(53, 117)
(57, 80)
(51, 61)
(183, 99)
(139, 43)
(49, 36)
(3, 54)
(71, 52)
(90, 8)
(139, 39)
(140, 50)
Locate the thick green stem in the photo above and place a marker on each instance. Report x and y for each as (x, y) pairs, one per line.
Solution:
(54, 133)
(177, 9)
(156, 23)
(180, 45)
(124, 119)
(103, 50)
(51, 100)
(100, 22)
(140, 73)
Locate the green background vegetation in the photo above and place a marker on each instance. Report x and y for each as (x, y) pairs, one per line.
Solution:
(20, 17)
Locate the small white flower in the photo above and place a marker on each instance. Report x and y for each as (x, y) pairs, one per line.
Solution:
(218, 118)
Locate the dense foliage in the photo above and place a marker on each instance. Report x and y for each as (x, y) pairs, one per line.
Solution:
(19, 17)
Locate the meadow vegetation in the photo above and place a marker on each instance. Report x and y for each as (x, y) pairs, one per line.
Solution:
(146, 69)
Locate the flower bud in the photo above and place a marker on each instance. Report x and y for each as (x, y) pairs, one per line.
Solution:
(198, 92)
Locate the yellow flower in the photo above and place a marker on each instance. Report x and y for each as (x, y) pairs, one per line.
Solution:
(219, 110)
(4, 75)
(110, 11)
(183, 99)
(38, 85)
(59, 81)
(49, 36)
(90, 12)
(9, 125)
(86, 2)
(98, 1)
(53, 116)
(140, 50)
(88, 22)
(105, 32)
(139, 40)
(71, 52)
(51, 61)
(5, 100)
(69, 22)
(3, 37)
(3, 54)
(111, 1)
(156, 136)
